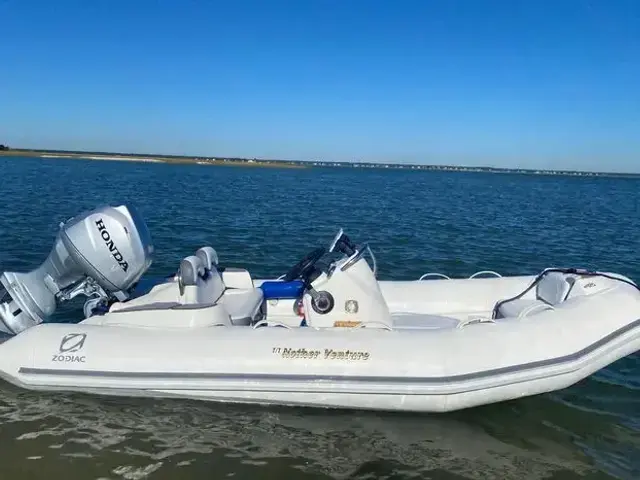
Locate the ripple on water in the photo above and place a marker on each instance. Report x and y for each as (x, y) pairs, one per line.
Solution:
(136, 437)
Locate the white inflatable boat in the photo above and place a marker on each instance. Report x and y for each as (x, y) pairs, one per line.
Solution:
(327, 334)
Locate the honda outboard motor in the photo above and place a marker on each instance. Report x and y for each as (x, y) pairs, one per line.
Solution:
(101, 254)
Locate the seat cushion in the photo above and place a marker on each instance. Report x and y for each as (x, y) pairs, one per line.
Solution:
(243, 304)
(236, 277)
(282, 290)
(553, 288)
(522, 308)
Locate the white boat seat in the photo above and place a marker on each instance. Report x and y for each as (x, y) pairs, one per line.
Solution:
(522, 307)
(232, 288)
(551, 290)
(554, 288)
(409, 320)
(243, 304)
(238, 307)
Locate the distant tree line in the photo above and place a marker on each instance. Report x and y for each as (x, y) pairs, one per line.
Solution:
(4, 147)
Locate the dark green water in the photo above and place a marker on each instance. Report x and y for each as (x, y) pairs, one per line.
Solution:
(265, 219)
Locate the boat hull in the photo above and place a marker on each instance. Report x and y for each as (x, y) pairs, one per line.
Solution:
(399, 370)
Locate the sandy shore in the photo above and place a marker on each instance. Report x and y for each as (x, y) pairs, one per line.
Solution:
(148, 159)
(91, 157)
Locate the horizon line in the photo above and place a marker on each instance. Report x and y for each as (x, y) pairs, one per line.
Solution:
(334, 163)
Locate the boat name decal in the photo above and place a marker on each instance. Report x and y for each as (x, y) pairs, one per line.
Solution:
(323, 354)
(70, 343)
(115, 253)
(346, 323)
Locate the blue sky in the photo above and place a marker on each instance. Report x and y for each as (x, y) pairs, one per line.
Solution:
(477, 82)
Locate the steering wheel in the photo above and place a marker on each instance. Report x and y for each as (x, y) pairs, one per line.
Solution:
(304, 266)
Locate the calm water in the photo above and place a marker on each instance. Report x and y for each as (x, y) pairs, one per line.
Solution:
(265, 219)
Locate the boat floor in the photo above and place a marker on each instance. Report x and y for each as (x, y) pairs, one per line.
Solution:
(422, 321)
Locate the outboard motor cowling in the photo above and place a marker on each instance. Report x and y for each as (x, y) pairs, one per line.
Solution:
(101, 254)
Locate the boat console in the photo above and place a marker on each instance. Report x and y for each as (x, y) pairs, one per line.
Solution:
(346, 294)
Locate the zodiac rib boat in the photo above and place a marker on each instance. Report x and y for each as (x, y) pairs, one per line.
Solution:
(326, 334)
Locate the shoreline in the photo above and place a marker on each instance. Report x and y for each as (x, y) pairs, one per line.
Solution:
(267, 163)
(212, 161)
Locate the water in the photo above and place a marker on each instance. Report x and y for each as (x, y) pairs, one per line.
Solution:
(266, 219)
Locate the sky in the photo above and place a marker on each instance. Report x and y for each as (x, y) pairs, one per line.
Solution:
(511, 83)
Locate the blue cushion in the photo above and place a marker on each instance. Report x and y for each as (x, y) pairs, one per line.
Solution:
(279, 289)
